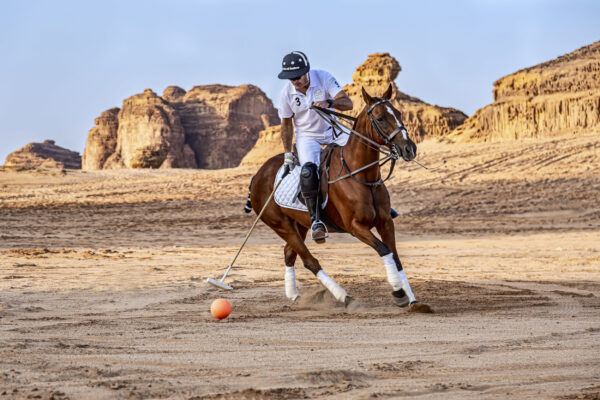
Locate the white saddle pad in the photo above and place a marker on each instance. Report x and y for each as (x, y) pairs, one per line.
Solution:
(286, 194)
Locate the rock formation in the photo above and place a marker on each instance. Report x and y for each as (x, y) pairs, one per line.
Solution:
(421, 119)
(558, 97)
(101, 140)
(375, 74)
(210, 126)
(221, 123)
(149, 135)
(43, 155)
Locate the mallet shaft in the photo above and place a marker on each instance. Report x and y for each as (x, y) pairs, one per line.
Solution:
(254, 224)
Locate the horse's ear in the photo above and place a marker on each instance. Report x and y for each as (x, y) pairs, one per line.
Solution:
(368, 99)
(388, 93)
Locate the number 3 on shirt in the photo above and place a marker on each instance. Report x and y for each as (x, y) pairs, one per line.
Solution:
(298, 102)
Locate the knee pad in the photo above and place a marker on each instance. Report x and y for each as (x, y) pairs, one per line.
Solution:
(309, 178)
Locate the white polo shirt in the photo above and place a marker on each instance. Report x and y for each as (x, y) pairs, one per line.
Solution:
(292, 103)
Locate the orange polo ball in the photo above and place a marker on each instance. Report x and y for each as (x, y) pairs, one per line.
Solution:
(220, 308)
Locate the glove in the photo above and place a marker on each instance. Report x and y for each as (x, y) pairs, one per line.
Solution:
(289, 161)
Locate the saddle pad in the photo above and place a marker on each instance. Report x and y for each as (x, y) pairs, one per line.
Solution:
(286, 194)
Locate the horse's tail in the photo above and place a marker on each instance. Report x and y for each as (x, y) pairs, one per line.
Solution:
(248, 206)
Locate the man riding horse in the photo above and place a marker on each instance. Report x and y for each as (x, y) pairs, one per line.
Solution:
(306, 87)
(357, 197)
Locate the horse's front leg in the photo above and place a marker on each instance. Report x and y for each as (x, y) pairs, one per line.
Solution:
(291, 287)
(403, 295)
(294, 235)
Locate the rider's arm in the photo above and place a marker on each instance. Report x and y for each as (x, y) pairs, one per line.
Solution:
(342, 102)
(287, 133)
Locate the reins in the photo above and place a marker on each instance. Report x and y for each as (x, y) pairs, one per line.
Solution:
(325, 114)
(392, 154)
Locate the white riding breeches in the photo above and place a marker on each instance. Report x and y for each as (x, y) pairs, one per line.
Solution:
(308, 145)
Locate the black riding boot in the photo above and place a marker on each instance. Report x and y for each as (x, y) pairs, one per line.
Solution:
(309, 186)
(319, 231)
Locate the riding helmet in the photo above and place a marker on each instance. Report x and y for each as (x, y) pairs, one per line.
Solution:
(294, 65)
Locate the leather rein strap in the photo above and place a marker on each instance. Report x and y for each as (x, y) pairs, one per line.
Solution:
(391, 155)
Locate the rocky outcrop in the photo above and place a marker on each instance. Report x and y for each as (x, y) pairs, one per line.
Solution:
(421, 119)
(222, 123)
(101, 140)
(210, 126)
(558, 97)
(43, 155)
(150, 134)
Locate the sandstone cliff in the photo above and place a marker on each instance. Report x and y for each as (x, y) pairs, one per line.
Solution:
(558, 97)
(221, 123)
(210, 126)
(150, 135)
(101, 140)
(43, 155)
(375, 74)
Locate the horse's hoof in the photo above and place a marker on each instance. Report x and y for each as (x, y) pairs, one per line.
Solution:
(295, 299)
(319, 241)
(400, 298)
(402, 301)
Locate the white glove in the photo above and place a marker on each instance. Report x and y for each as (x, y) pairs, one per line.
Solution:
(289, 161)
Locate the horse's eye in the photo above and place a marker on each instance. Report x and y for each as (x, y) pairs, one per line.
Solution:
(380, 119)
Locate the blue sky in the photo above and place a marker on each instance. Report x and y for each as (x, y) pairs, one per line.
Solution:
(64, 62)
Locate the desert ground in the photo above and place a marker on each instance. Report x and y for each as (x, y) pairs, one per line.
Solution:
(102, 291)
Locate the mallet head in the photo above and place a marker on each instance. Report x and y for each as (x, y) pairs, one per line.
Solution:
(218, 284)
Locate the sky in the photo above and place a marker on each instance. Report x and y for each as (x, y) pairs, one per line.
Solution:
(62, 63)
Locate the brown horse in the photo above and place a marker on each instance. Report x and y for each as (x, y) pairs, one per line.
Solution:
(356, 203)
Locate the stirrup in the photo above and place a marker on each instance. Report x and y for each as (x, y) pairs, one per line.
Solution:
(319, 232)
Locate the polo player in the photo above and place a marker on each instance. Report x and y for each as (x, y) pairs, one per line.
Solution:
(306, 87)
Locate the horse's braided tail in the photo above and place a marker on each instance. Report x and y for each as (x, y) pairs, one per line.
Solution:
(248, 206)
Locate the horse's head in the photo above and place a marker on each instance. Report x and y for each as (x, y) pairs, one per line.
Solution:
(387, 125)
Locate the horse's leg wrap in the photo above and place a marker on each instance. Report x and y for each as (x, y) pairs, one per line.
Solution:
(309, 186)
(291, 290)
(336, 290)
(381, 248)
(397, 278)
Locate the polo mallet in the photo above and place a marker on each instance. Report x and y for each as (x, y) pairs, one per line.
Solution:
(221, 284)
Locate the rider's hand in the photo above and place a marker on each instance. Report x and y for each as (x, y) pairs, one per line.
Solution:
(289, 161)
(322, 104)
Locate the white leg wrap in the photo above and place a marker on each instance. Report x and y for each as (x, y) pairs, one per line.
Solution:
(397, 278)
(336, 290)
(291, 290)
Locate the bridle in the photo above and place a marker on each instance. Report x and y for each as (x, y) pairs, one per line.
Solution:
(386, 138)
(389, 149)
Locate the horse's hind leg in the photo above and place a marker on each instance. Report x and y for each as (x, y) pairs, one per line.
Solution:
(287, 230)
(403, 295)
(291, 288)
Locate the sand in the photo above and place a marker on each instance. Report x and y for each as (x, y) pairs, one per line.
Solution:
(102, 291)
